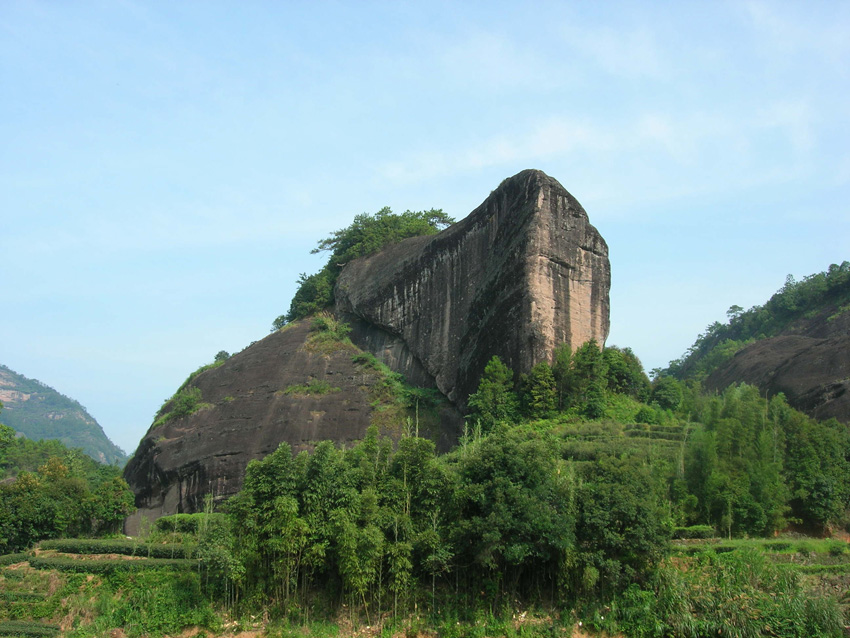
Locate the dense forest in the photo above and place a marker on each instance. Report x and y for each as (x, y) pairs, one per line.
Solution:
(795, 301)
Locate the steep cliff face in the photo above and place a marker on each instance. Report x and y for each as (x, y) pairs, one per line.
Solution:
(524, 272)
(810, 364)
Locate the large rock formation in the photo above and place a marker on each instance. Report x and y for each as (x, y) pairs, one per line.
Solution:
(524, 272)
(282, 388)
(809, 363)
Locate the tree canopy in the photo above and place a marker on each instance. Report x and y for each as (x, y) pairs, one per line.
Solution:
(366, 235)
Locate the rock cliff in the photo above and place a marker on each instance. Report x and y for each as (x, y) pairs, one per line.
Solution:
(282, 388)
(809, 363)
(524, 272)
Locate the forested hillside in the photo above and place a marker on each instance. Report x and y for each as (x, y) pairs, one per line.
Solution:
(792, 304)
(39, 412)
(562, 497)
(50, 491)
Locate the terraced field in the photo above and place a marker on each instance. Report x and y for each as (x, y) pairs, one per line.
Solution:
(66, 585)
(823, 565)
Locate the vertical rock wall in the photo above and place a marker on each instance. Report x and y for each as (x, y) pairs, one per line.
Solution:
(524, 272)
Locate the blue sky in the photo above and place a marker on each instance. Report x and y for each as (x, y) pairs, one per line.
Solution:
(166, 167)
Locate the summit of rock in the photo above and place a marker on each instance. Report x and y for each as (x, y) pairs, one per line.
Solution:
(523, 273)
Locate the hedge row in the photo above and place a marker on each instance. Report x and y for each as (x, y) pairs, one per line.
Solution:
(11, 559)
(22, 596)
(27, 628)
(109, 566)
(842, 568)
(693, 532)
(118, 546)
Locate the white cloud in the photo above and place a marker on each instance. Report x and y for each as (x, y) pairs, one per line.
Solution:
(632, 53)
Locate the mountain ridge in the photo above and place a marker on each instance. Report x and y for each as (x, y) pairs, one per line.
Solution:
(38, 411)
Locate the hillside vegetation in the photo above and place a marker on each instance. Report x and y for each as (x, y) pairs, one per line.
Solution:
(39, 412)
(51, 491)
(366, 235)
(560, 503)
(794, 302)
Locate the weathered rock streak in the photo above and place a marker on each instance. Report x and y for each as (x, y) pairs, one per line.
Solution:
(524, 272)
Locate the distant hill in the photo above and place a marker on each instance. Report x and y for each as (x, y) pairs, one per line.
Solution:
(797, 343)
(37, 411)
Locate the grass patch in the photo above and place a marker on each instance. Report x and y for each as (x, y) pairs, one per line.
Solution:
(328, 335)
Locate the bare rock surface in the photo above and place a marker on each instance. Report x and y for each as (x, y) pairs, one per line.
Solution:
(251, 404)
(810, 364)
(524, 272)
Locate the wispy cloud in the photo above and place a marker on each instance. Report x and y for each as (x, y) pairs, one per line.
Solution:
(633, 53)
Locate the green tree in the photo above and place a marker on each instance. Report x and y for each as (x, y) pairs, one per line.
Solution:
(494, 401)
(666, 392)
(540, 396)
(366, 235)
(624, 373)
(589, 372)
(562, 372)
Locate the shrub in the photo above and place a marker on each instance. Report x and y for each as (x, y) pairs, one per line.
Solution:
(109, 566)
(27, 628)
(11, 559)
(778, 546)
(118, 546)
(181, 523)
(805, 549)
(693, 532)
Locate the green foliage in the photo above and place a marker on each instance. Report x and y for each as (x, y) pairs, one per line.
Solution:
(27, 628)
(187, 400)
(328, 334)
(123, 547)
(11, 559)
(109, 566)
(735, 594)
(366, 235)
(539, 393)
(185, 403)
(180, 523)
(48, 414)
(67, 495)
(694, 531)
(666, 393)
(495, 400)
(822, 292)
(624, 373)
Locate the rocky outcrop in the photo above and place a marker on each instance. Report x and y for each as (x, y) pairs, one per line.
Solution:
(280, 389)
(810, 364)
(524, 272)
